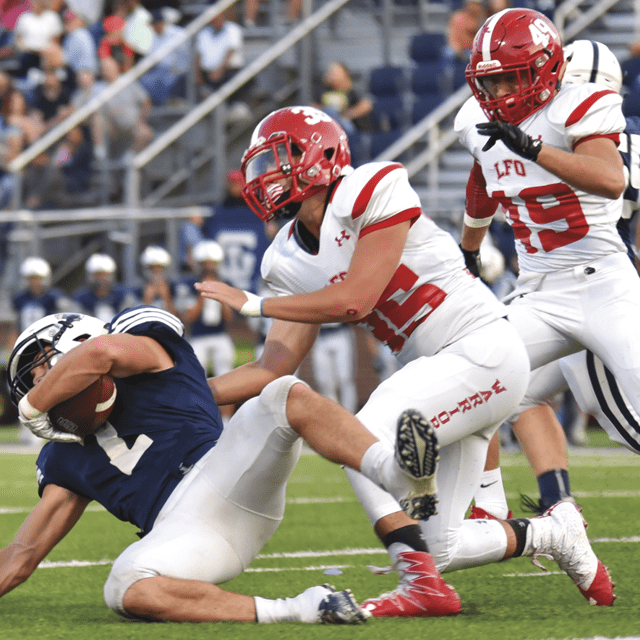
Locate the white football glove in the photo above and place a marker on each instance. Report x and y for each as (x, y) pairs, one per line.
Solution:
(38, 423)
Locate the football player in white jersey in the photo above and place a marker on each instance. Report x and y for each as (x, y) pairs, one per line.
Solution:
(547, 152)
(595, 389)
(359, 249)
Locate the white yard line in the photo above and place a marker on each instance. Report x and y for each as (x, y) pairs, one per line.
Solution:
(353, 499)
(332, 553)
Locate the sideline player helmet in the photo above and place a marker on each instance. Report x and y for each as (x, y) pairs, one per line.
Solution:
(523, 42)
(155, 255)
(492, 261)
(60, 331)
(208, 250)
(293, 154)
(35, 266)
(99, 263)
(591, 61)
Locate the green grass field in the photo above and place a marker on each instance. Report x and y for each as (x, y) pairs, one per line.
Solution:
(325, 527)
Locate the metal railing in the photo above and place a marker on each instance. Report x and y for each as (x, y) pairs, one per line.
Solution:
(580, 21)
(34, 231)
(210, 104)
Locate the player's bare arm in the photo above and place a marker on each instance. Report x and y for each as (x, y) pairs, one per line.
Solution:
(285, 347)
(472, 237)
(350, 299)
(51, 519)
(121, 355)
(595, 166)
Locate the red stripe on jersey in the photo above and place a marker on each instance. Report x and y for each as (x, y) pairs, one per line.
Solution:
(612, 136)
(408, 214)
(362, 201)
(581, 109)
(479, 203)
(291, 226)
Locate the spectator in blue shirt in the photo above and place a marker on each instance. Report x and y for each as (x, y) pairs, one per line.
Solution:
(79, 46)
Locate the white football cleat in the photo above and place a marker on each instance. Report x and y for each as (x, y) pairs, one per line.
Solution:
(560, 533)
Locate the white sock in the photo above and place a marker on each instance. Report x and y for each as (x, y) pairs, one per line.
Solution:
(395, 549)
(490, 494)
(302, 608)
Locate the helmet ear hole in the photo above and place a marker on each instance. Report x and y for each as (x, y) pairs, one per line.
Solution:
(328, 153)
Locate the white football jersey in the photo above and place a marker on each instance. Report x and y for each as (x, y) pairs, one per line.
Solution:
(556, 226)
(431, 288)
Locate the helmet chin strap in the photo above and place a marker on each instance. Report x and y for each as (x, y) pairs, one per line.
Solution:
(289, 210)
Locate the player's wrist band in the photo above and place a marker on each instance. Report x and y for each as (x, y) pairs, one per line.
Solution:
(253, 306)
(28, 410)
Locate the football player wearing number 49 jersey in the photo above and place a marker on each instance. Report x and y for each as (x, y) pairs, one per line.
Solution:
(547, 152)
(359, 249)
(594, 387)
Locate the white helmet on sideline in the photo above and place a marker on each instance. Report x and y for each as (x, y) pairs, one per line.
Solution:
(154, 254)
(35, 266)
(208, 250)
(100, 262)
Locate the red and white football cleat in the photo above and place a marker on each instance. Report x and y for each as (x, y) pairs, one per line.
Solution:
(560, 533)
(478, 513)
(421, 593)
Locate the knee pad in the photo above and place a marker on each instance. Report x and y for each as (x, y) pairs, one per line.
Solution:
(124, 573)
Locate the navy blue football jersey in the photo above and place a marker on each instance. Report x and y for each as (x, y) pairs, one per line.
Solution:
(161, 424)
(210, 321)
(31, 308)
(630, 151)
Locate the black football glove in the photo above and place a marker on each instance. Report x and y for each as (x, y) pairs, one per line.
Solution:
(514, 137)
(472, 261)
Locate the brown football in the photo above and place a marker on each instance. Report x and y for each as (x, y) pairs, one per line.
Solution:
(87, 411)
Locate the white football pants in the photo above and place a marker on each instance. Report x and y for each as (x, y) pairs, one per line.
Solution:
(333, 362)
(466, 390)
(226, 508)
(596, 305)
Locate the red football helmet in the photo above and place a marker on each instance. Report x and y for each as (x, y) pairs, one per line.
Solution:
(523, 42)
(294, 152)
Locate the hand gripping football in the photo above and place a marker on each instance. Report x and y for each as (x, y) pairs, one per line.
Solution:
(87, 411)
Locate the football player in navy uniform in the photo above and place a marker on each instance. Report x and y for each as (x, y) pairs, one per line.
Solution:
(206, 499)
(207, 320)
(158, 290)
(35, 300)
(102, 297)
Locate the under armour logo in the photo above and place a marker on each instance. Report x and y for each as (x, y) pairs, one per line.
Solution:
(342, 237)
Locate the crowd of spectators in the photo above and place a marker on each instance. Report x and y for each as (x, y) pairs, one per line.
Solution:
(57, 55)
